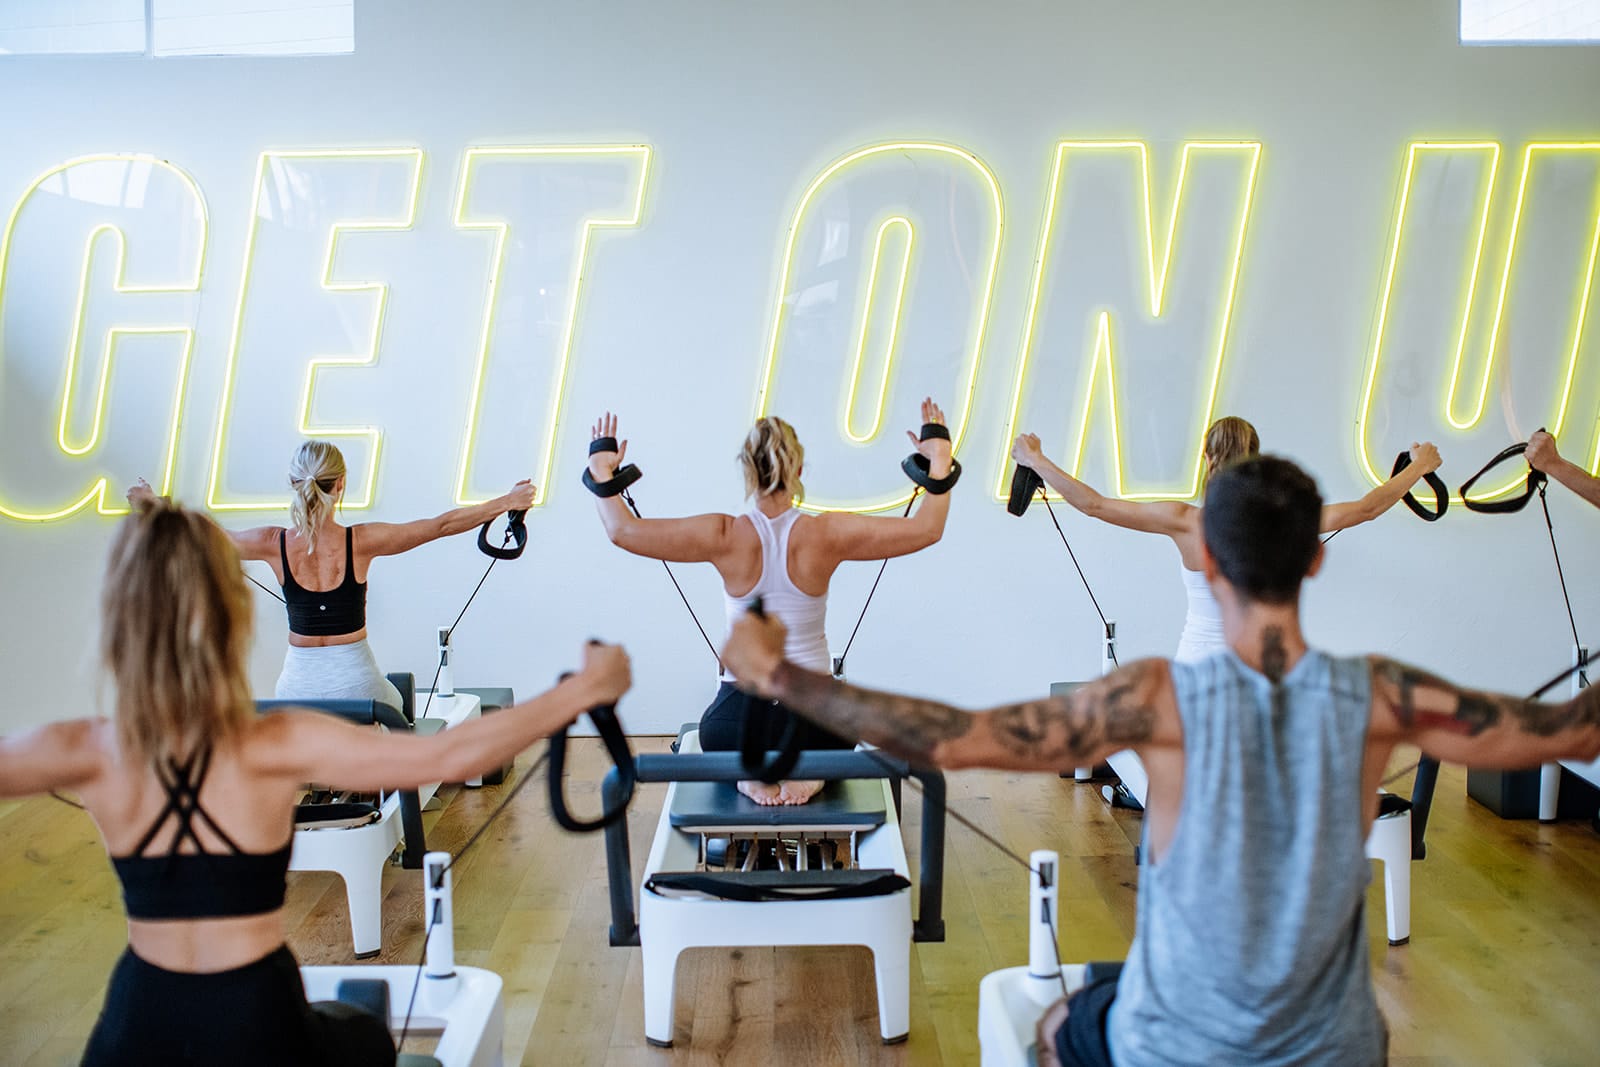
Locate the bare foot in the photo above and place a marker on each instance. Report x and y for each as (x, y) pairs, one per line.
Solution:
(762, 793)
(799, 792)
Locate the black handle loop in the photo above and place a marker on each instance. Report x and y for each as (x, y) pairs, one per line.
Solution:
(1441, 492)
(615, 485)
(1535, 482)
(516, 533)
(916, 467)
(752, 756)
(930, 430)
(1025, 482)
(616, 742)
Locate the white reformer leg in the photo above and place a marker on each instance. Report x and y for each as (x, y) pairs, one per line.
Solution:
(1390, 844)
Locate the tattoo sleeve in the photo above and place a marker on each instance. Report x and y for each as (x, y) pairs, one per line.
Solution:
(1424, 701)
(905, 726)
(1058, 732)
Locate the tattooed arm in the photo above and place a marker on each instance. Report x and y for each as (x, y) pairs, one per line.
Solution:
(1479, 729)
(1132, 708)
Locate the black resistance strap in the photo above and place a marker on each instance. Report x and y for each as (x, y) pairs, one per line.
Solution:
(1024, 483)
(616, 742)
(1441, 492)
(516, 530)
(1535, 483)
(605, 719)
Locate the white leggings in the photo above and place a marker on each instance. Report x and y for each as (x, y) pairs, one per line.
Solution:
(335, 672)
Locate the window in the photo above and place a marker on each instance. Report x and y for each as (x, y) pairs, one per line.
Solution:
(178, 27)
(51, 26)
(1530, 21)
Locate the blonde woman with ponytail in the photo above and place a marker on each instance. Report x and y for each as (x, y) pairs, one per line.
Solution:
(1227, 440)
(193, 794)
(776, 552)
(322, 567)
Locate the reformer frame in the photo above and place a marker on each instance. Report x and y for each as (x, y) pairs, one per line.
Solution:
(927, 926)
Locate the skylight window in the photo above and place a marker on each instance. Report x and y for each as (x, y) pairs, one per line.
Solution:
(1530, 21)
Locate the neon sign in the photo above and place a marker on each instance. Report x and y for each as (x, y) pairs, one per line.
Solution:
(858, 251)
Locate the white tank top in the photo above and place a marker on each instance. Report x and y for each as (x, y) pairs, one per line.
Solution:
(1202, 625)
(804, 615)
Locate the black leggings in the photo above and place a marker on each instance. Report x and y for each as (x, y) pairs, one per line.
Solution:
(723, 722)
(1081, 1041)
(252, 1015)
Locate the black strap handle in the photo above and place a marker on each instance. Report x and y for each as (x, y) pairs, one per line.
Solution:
(1536, 481)
(916, 465)
(620, 479)
(1025, 482)
(616, 742)
(752, 755)
(516, 534)
(1441, 492)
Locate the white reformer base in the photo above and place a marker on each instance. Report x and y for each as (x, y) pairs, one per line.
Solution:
(463, 1005)
(359, 854)
(1008, 1014)
(669, 925)
(466, 1011)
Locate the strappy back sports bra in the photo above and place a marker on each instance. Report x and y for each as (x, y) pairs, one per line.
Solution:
(200, 884)
(330, 612)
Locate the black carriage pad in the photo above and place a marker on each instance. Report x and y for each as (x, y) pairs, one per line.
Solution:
(334, 817)
(764, 886)
(850, 804)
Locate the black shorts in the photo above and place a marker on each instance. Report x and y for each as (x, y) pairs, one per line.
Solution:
(722, 725)
(1081, 1041)
(249, 1016)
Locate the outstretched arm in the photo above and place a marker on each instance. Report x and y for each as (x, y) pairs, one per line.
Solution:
(62, 755)
(696, 539)
(1424, 461)
(886, 536)
(313, 747)
(1542, 455)
(1479, 729)
(1131, 708)
(393, 538)
(258, 543)
(1170, 517)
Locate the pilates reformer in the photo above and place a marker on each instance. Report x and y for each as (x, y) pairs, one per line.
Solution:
(724, 871)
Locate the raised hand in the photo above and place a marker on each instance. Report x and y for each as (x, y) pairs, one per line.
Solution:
(1027, 451)
(1542, 454)
(521, 496)
(754, 650)
(936, 449)
(1425, 456)
(602, 465)
(607, 669)
(141, 494)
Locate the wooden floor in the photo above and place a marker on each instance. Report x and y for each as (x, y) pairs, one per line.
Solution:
(1503, 965)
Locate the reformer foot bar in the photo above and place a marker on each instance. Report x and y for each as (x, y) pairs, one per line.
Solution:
(868, 904)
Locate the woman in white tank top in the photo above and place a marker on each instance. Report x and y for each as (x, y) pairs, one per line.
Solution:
(780, 554)
(1228, 439)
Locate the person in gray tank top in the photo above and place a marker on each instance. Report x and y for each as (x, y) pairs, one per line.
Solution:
(1264, 768)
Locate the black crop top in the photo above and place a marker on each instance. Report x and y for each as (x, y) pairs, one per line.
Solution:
(330, 612)
(201, 884)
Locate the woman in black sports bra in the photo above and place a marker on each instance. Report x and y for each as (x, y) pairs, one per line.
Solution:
(194, 795)
(328, 656)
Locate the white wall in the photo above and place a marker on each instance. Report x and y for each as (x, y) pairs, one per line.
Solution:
(744, 106)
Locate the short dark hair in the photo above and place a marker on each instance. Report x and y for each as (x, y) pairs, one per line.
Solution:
(1262, 519)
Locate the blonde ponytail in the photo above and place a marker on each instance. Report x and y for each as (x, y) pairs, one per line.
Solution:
(772, 459)
(314, 473)
(1229, 440)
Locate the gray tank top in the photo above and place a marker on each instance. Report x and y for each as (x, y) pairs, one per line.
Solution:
(1251, 945)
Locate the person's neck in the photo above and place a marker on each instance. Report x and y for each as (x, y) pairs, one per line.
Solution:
(774, 504)
(1266, 637)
